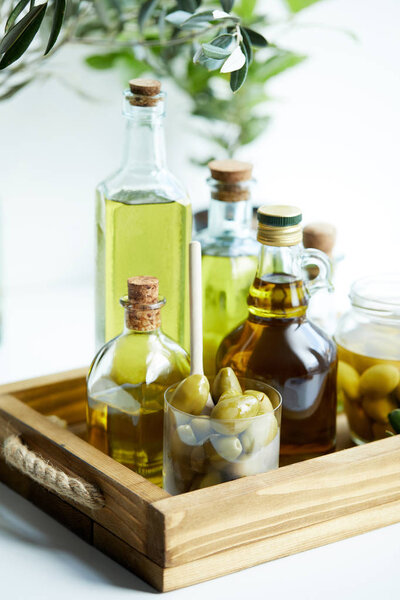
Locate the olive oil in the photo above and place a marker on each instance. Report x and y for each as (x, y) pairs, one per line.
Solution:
(143, 219)
(229, 252)
(127, 381)
(226, 282)
(136, 234)
(279, 345)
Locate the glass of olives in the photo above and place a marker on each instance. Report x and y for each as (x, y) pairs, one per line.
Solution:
(238, 437)
(368, 339)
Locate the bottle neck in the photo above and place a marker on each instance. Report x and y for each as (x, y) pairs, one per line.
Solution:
(144, 140)
(278, 290)
(229, 218)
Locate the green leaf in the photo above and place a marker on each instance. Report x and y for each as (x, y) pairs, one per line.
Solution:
(211, 64)
(245, 9)
(189, 6)
(58, 17)
(178, 17)
(236, 60)
(394, 419)
(227, 5)
(238, 77)
(198, 20)
(298, 5)
(20, 36)
(145, 12)
(256, 38)
(14, 14)
(247, 45)
(252, 129)
(277, 64)
(214, 51)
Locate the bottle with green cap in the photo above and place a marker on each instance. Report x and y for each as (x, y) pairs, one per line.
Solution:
(279, 344)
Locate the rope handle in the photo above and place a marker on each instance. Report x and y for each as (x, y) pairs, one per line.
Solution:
(26, 461)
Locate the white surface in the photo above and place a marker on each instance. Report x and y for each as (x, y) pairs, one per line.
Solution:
(42, 560)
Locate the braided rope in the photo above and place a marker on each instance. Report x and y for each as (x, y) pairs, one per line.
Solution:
(17, 455)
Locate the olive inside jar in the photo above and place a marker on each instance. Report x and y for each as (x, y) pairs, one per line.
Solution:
(368, 339)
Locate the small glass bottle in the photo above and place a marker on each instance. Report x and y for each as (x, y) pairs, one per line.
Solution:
(143, 219)
(229, 251)
(368, 339)
(278, 344)
(127, 381)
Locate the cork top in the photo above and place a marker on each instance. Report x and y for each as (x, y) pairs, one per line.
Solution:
(143, 290)
(142, 306)
(145, 92)
(321, 236)
(230, 171)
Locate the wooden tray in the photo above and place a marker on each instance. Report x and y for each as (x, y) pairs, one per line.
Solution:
(173, 542)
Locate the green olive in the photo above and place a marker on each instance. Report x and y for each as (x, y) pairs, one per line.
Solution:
(379, 408)
(211, 478)
(265, 404)
(224, 381)
(186, 435)
(259, 433)
(381, 431)
(236, 409)
(198, 459)
(228, 394)
(359, 422)
(227, 447)
(378, 381)
(348, 380)
(201, 428)
(191, 394)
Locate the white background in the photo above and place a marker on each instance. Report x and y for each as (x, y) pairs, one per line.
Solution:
(332, 148)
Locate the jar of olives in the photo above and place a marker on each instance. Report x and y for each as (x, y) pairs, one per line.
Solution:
(368, 339)
(239, 437)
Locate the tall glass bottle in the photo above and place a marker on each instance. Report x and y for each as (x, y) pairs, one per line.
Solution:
(127, 381)
(278, 344)
(143, 219)
(229, 251)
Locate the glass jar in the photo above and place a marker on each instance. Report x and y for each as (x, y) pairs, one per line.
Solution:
(200, 451)
(368, 339)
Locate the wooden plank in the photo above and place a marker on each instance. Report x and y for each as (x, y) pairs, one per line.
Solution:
(236, 559)
(127, 494)
(29, 389)
(242, 557)
(288, 500)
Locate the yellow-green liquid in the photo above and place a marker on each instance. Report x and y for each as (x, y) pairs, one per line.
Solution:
(226, 283)
(142, 234)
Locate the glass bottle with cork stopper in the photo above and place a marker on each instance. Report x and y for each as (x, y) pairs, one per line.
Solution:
(277, 342)
(127, 381)
(143, 219)
(229, 253)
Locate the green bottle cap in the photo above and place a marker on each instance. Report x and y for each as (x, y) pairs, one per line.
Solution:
(279, 215)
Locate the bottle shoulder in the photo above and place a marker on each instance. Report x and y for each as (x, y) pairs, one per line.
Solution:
(133, 187)
(229, 245)
(139, 358)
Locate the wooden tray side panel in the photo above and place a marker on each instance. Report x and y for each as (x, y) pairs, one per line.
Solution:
(291, 500)
(127, 495)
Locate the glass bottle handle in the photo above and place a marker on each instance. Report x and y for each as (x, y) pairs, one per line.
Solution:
(311, 257)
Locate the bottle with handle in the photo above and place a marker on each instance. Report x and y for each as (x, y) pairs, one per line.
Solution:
(278, 344)
(143, 219)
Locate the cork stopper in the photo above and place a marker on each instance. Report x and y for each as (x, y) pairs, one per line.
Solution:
(231, 176)
(321, 236)
(142, 293)
(230, 171)
(145, 92)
